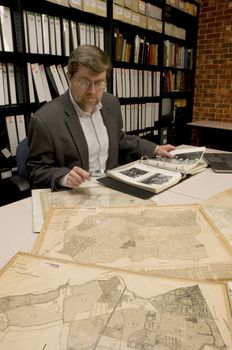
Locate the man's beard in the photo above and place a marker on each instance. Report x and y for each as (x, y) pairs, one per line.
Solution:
(89, 103)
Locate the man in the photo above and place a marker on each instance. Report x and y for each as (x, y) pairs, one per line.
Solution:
(80, 132)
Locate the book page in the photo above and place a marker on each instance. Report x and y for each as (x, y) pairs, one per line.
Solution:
(145, 176)
(170, 239)
(183, 160)
(50, 304)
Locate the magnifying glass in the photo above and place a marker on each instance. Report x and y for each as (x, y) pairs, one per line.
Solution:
(97, 173)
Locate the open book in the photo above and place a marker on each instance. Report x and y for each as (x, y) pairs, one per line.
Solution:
(158, 174)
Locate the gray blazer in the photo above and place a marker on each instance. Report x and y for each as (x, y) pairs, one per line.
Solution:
(57, 142)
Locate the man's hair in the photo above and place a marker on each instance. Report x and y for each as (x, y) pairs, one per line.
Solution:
(91, 57)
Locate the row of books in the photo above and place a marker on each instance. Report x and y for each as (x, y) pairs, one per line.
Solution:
(139, 116)
(135, 83)
(6, 37)
(141, 51)
(177, 56)
(45, 34)
(46, 82)
(144, 52)
(177, 81)
(98, 7)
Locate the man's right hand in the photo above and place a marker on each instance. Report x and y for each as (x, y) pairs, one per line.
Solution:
(76, 177)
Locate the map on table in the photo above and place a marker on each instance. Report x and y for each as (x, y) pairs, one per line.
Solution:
(53, 304)
(91, 196)
(219, 209)
(166, 240)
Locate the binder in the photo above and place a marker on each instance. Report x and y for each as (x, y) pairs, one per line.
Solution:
(6, 26)
(20, 84)
(74, 42)
(62, 77)
(38, 82)
(25, 30)
(87, 26)
(66, 36)
(101, 36)
(55, 79)
(82, 33)
(5, 84)
(58, 36)
(45, 83)
(12, 134)
(65, 68)
(11, 80)
(30, 83)
(2, 99)
(39, 33)
(46, 45)
(92, 35)
(52, 39)
(21, 129)
(119, 82)
(97, 36)
(31, 26)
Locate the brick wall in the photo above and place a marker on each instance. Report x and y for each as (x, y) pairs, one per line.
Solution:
(213, 84)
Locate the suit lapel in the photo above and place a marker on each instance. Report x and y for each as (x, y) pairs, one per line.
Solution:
(75, 129)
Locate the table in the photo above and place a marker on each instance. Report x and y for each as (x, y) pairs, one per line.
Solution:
(213, 133)
(16, 218)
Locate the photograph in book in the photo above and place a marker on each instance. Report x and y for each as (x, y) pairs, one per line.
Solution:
(187, 160)
(145, 176)
(157, 174)
(169, 240)
(50, 304)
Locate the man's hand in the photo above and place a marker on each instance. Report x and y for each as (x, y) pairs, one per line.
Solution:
(76, 177)
(163, 151)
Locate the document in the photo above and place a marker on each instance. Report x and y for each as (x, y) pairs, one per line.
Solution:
(92, 195)
(177, 241)
(59, 305)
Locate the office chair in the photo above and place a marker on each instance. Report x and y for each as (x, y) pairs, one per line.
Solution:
(20, 182)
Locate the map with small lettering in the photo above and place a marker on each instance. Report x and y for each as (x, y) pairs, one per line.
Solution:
(47, 304)
(88, 196)
(219, 209)
(159, 237)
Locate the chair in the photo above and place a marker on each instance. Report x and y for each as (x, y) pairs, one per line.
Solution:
(20, 181)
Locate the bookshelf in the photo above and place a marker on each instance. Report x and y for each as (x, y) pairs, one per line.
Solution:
(152, 45)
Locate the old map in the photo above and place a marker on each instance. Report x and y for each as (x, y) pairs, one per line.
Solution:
(168, 240)
(87, 196)
(48, 304)
(219, 209)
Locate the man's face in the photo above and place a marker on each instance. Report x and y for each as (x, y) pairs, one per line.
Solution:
(87, 87)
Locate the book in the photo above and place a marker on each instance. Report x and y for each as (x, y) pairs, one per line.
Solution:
(158, 174)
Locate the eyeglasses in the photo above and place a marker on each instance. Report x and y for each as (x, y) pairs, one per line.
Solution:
(98, 85)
